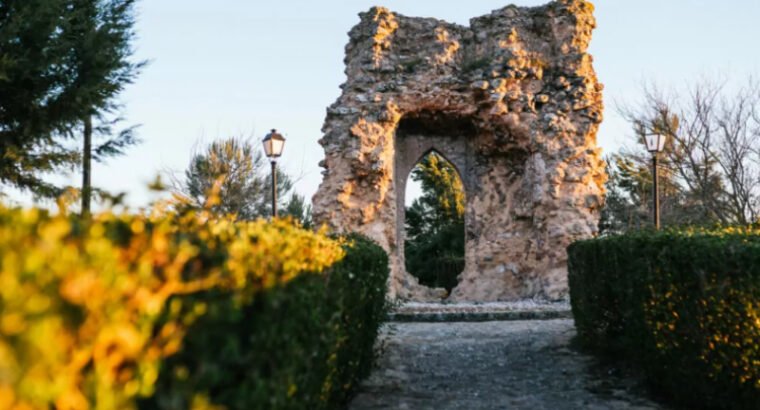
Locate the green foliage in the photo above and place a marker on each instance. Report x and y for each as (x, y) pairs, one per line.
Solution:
(240, 178)
(102, 33)
(38, 98)
(357, 287)
(183, 311)
(442, 200)
(305, 345)
(709, 166)
(299, 210)
(685, 305)
(90, 308)
(438, 259)
(628, 202)
(434, 250)
(61, 62)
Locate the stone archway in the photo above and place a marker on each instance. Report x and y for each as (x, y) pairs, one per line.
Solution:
(512, 101)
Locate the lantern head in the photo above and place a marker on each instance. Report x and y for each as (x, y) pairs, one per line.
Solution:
(274, 143)
(655, 143)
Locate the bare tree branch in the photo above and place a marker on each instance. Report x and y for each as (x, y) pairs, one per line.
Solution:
(712, 159)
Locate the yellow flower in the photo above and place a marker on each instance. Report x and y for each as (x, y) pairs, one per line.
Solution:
(83, 304)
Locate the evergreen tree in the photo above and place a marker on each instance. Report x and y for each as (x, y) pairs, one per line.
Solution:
(62, 63)
(239, 176)
(442, 200)
(39, 101)
(629, 187)
(434, 249)
(102, 32)
(299, 210)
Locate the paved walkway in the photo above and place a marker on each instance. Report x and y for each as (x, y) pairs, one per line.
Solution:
(491, 365)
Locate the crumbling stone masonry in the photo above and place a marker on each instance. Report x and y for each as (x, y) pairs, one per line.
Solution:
(512, 101)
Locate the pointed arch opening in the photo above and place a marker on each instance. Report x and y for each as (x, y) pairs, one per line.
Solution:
(434, 228)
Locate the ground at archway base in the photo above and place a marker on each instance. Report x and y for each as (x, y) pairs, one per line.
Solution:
(491, 365)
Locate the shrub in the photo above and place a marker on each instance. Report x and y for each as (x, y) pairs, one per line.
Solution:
(304, 345)
(358, 285)
(685, 305)
(90, 311)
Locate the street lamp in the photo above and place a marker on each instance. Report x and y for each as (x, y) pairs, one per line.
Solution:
(274, 142)
(655, 144)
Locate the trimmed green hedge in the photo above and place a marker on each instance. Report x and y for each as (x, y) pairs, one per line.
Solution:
(90, 309)
(684, 306)
(304, 345)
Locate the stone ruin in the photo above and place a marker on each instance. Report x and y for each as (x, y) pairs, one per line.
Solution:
(512, 101)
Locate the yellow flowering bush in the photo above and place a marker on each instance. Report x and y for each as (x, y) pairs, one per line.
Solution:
(685, 304)
(88, 310)
(305, 345)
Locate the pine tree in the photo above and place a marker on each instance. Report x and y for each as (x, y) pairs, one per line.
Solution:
(239, 176)
(434, 249)
(299, 210)
(102, 32)
(442, 200)
(62, 63)
(39, 101)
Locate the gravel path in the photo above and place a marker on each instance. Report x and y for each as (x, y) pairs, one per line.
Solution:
(491, 365)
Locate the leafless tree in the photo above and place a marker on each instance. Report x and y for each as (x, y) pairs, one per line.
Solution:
(713, 150)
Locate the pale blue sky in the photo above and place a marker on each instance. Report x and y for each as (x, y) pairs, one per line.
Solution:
(231, 67)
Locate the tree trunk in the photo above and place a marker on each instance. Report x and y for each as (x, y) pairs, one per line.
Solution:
(86, 166)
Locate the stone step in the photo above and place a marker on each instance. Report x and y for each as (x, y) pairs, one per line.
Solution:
(480, 312)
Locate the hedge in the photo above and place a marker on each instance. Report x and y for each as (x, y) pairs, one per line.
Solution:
(305, 345)
(105, 313)
(684, 306)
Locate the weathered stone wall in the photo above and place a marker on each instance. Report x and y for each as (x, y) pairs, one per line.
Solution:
(512, 101)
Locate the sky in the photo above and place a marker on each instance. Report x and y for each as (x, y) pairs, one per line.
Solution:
(241, 67)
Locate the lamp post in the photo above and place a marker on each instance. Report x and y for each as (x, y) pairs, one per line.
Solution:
(655, 144)
(274, 143)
